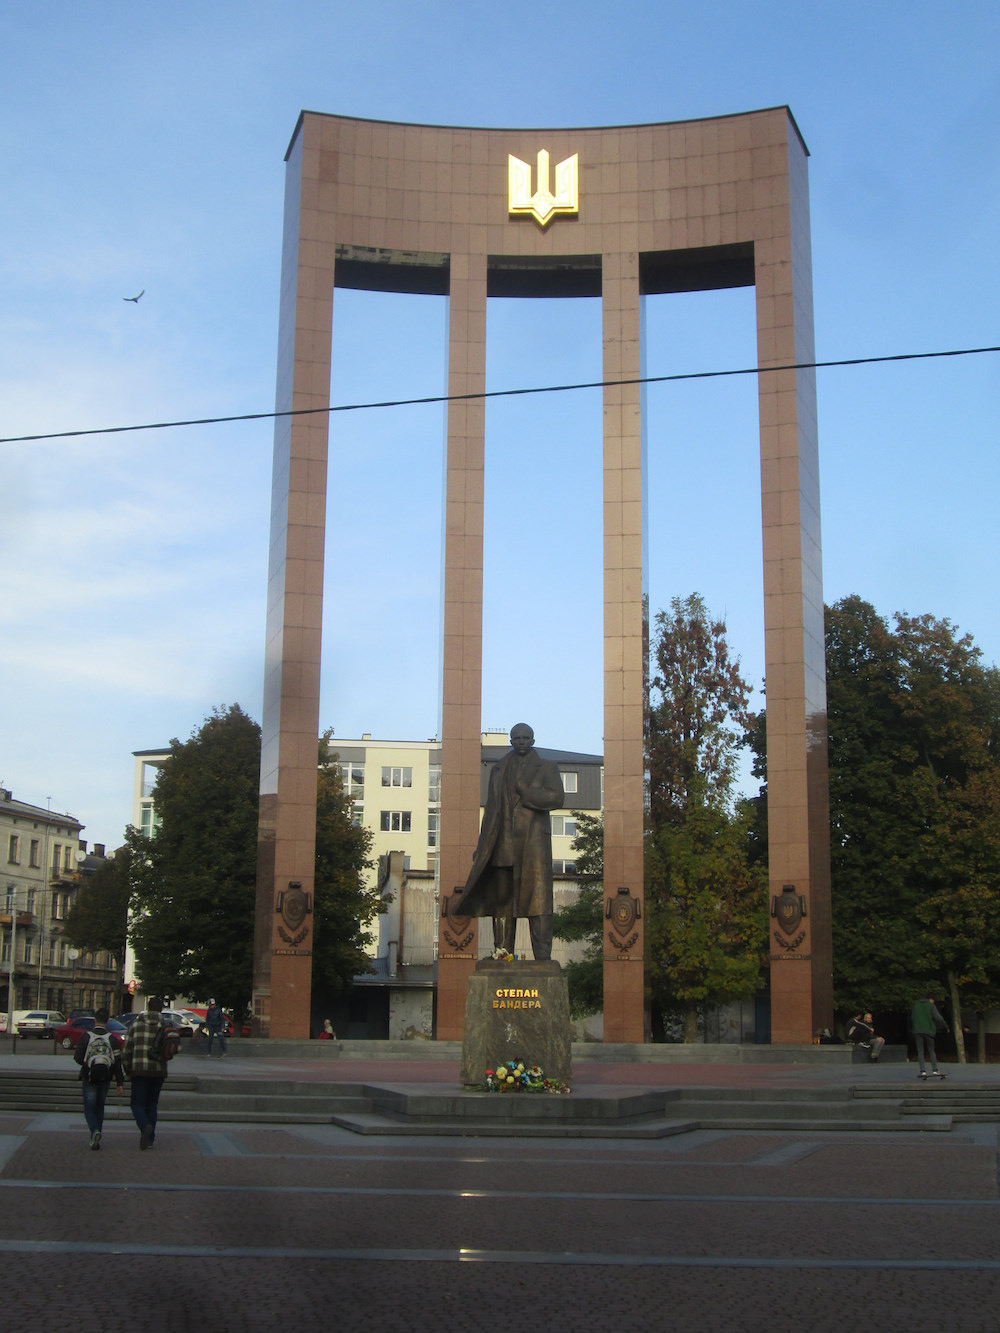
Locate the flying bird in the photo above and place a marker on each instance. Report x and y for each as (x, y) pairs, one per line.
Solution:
(134, 299)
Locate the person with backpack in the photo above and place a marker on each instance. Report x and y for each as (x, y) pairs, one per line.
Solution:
(98, 1053)
(149, 1045)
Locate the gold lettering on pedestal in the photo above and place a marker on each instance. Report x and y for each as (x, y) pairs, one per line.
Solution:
(518, 997)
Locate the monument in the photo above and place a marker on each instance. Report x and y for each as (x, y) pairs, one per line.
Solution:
(511, 875)
(618, 213)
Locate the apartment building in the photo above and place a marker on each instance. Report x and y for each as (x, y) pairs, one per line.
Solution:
(44, 863)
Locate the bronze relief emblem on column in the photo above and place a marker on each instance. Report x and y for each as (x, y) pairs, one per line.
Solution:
(456, 930)
(293, 906)
(788, 909)
(623, 911)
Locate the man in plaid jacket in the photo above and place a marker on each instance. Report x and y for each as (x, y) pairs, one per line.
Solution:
(145, 1072)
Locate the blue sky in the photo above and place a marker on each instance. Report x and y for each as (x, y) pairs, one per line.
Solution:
(142, 148)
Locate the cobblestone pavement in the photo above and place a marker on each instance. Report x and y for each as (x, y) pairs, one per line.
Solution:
(243, 1229)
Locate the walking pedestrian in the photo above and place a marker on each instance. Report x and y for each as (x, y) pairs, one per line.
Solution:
(145, 1070)
(927, 1022)
(98, 1053)
(215, 1021)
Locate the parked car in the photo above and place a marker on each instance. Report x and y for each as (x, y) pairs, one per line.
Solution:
(80, 1013)
(127, 1019)
(40, 1023)
(68, 1034)
(187, 1022)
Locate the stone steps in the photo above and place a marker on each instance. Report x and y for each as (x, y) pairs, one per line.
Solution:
(965, 1104)
(592, 1112)
(186, 1097)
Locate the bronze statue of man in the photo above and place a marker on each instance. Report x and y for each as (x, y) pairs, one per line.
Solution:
(511, 873)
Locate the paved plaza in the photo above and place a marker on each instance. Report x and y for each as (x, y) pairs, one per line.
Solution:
(235, 1228)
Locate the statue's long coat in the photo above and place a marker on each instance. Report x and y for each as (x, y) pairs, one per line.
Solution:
(521, 831)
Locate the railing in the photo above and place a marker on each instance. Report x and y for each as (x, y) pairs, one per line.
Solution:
(24, 919)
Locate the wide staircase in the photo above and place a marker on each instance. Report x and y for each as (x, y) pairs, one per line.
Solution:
(391, 1109)
(190, 1097)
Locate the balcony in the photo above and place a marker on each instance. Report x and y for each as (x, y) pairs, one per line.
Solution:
(25, 920)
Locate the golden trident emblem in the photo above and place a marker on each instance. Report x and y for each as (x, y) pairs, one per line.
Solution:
(543, 204)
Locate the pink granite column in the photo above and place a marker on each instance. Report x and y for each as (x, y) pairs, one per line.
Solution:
(461, 749)
(624, 643)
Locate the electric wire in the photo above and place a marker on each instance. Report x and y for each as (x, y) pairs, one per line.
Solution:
(498, 393)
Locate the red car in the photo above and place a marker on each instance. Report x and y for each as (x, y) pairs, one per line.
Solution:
(70, 1033)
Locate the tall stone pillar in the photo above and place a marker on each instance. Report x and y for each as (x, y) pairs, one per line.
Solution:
(462, 684)
(625, 645)
(287, 822)
(797, 800)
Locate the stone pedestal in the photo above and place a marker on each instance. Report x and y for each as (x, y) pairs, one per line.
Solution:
(516, 1010)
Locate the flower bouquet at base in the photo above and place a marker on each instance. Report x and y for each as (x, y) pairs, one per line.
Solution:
(516, 1076)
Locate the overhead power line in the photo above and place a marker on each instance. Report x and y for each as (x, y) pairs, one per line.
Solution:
(498, 393)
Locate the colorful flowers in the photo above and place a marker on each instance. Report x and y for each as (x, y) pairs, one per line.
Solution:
(516, 1076)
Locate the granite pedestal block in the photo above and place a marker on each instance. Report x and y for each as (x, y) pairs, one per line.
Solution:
(517, 1010)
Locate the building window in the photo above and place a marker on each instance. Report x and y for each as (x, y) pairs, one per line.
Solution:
(149, 820)
(34, 855)
(67, 857)
(10, 897)
(397, 777)
(434, 784)
(353, 777)
(358, 816)
(5, 953)
(395, 821)
(56, 853)
(569, 782)
(29, 951)
(433, 824)
(563, 827)
(564, 867)
(31, 901)
(14, 849)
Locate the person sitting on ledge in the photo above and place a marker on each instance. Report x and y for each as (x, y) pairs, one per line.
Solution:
(861, 1031)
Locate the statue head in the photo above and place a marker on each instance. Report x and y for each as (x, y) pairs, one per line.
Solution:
(522, 738)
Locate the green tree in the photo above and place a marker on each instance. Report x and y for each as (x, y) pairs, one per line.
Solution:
(706, 905)
(344, 907)
(583, 919)
(194, 881)
(914, 721)
(99, 917)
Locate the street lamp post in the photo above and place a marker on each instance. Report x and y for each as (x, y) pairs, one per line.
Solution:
(12, 968)
(73, 955)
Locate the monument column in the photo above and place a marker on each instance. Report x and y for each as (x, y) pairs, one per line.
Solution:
(462, 681)
(625, 646)
(287, 820)
(797, 794)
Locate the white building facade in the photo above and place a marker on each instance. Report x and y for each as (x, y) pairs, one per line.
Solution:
(43, 863)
